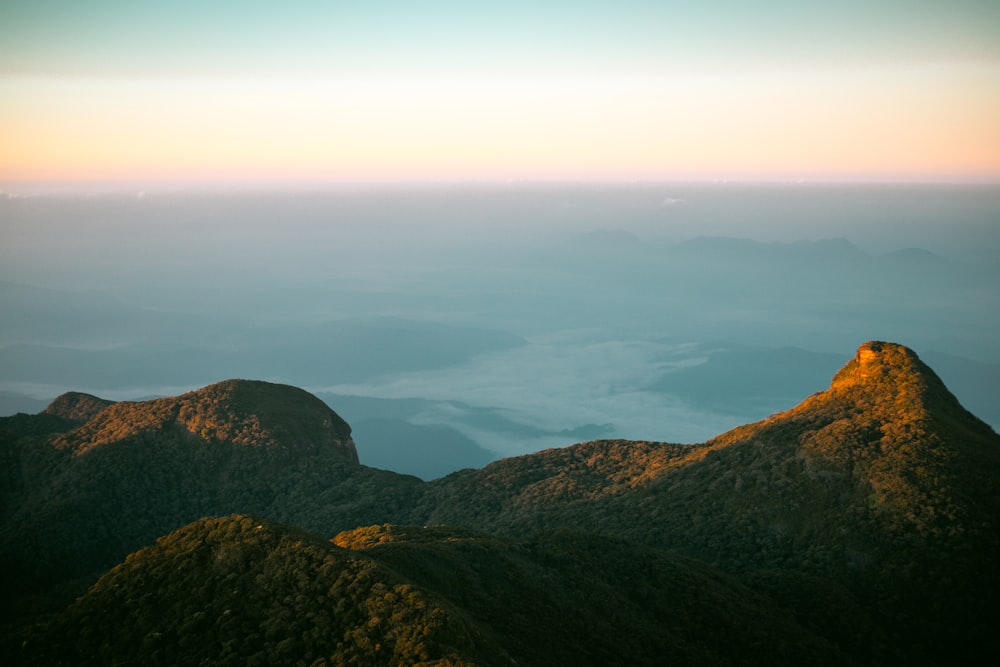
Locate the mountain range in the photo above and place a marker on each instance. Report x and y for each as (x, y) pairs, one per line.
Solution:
(235, 525)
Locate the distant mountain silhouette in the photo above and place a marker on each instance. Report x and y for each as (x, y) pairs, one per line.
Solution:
(742, 250)
(858, 527)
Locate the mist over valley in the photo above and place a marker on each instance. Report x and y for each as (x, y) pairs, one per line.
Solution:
(455, 324)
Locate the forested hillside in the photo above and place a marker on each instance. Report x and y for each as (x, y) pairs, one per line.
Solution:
(857, 527)
(83, 496)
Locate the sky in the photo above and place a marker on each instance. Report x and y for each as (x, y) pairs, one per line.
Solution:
(298, 91)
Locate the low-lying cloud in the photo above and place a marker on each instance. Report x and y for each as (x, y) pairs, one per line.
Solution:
(558, 383)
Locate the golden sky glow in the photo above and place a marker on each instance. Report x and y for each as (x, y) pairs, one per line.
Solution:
(707, 116)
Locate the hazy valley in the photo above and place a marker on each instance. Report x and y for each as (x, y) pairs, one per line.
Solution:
(492, 321)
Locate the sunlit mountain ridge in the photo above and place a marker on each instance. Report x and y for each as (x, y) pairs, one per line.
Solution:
(860, 524)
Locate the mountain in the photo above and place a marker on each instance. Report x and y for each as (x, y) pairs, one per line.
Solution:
(887, 424)
(240, 590)
(242, 412)
(744, 250)
(79, 497)
(883, 486)
(76, 406)
(858, 527)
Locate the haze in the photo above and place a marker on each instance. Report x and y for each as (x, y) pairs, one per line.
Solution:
(453, 325)
(480, 230)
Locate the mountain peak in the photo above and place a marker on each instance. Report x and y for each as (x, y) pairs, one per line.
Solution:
(291, 414)
(891, 425)
(76, 406)
(243, 412)
(876, 361)
(891, 380)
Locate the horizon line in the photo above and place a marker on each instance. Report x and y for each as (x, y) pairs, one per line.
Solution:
(15, 188)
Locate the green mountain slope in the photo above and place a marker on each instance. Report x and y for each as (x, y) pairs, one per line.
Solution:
(77, 406)
(886, 445)
(240, 590)
(77, 501)
(883, 486)
(859, 526)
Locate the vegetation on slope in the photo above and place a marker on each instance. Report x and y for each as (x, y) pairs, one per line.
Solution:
(540, 491)
(880, 491)
(240, 590)
(569, 598)
(860, 524)
(243, 591)
(78, 502)
(242, 412)
(77, 406)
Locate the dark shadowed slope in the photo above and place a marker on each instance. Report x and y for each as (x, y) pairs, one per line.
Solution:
(240, 590)
(79, 500)
(243, 591)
